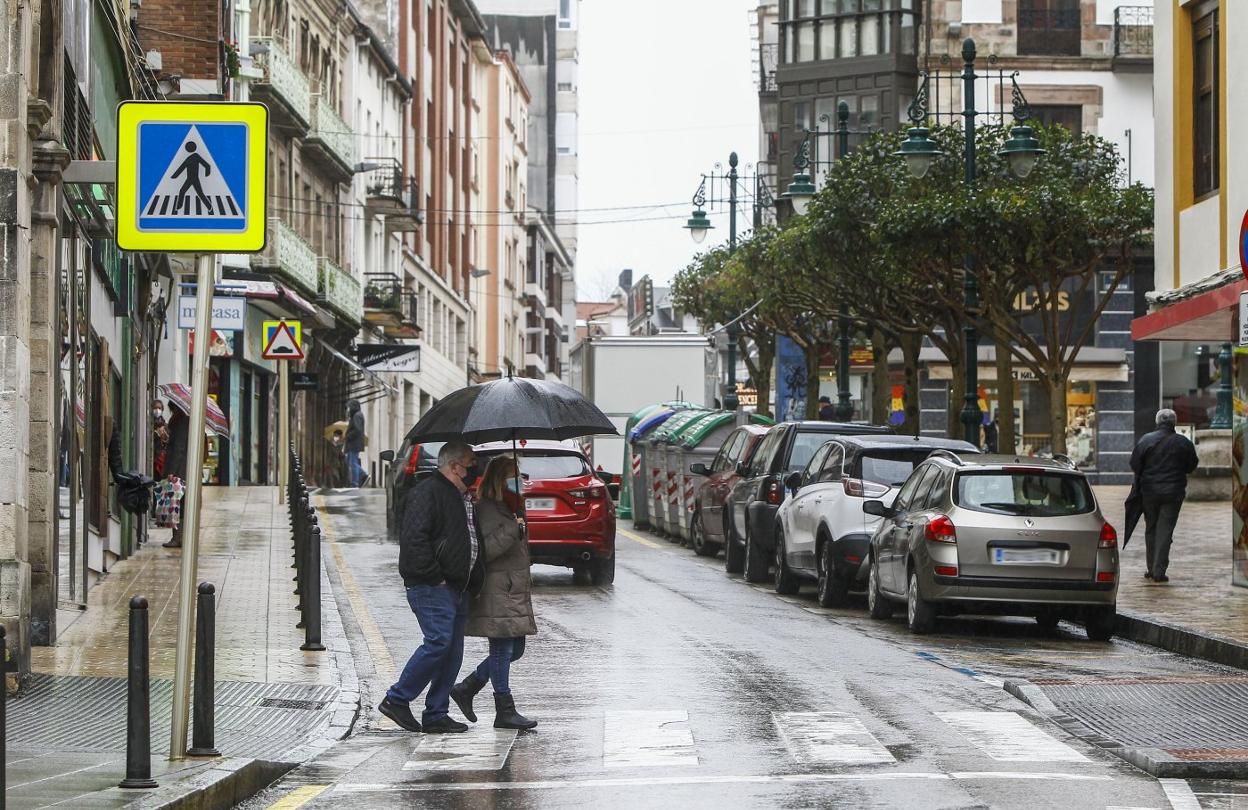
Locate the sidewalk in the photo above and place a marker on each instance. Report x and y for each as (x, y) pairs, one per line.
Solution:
(274, 703)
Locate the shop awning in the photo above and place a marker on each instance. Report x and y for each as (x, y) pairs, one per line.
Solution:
(372, 376)
(270, 297)
(1093, 364)
(1203, 310)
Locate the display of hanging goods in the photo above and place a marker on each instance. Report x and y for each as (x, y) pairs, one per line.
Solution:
(215, 419)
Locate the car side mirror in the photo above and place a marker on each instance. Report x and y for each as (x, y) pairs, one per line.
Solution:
(699, 468)
(793, 481)
(386, 456)
(878, 509)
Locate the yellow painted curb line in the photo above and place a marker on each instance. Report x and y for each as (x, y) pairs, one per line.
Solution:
(298, 797)
(636, 538)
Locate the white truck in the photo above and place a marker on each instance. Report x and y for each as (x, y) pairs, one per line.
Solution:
(623, 374)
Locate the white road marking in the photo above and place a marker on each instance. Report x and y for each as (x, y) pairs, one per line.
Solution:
(788, 779)
(1009, 737)
(484, 750)
(1180, 794)
(636, 739)
(1121, 807)
(817, 738)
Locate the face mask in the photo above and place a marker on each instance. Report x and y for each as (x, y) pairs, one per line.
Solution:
(513, 485)
(157, 413)
(470, 474)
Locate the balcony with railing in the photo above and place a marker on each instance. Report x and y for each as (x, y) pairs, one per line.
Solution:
(768, 61)
(339, 291)
(1133, 37)
(288, 257)
(283, 86)
(331, 140)
(390, 195)
(388, 305)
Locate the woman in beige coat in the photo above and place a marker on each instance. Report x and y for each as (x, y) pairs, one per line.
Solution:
(502, 610)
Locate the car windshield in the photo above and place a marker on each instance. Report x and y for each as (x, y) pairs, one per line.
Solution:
(1024, 492)
(804, 446)
(547, 466)
(891, 468)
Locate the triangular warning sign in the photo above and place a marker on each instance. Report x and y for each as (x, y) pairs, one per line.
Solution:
(192, 186)
(282, 344)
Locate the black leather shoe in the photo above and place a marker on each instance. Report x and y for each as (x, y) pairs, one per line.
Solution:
(400, 714)
(463, 693)
(1161, 578)
(506, 716)
(171, 544)
(1148, 574)
(445, 725)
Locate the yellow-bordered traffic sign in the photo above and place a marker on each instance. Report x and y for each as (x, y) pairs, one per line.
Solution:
(191, 176)
(283, 340)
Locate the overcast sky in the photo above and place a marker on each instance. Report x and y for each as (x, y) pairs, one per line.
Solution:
(666, 90)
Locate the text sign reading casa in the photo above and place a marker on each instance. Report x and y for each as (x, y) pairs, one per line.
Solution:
(282, 340)
(228, 314)
(190, 176)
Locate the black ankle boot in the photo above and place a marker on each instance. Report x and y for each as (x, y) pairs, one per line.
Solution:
(506, 716)
(463, 693)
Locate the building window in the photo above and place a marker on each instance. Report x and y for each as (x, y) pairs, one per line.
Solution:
(1048, 27)
(1205, 70)
(565, 14)
(565, 87)
(1068, 115)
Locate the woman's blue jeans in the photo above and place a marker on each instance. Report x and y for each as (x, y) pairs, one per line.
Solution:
(497, 665)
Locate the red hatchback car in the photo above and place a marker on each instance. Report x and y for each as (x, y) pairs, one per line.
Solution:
(710, 523)
(570, 514)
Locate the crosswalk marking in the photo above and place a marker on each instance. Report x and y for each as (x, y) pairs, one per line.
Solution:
(474, 750)
(635, 739)
(818, 738)
(1009, 737)
(1179, 794)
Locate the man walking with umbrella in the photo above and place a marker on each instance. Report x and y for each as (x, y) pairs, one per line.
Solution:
(439, 560)
(1161, 461)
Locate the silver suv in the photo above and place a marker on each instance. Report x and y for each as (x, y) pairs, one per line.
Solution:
(998, 535)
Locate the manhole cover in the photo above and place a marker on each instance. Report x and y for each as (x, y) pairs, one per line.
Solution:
(286, 703)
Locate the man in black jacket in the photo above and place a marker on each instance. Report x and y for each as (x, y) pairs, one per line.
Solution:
(439, 560)
(1162, 461)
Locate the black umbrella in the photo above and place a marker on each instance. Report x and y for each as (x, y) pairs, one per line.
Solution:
(1134, 510)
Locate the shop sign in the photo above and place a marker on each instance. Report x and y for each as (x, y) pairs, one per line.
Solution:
(304, 381)
(387, 357)
(747, 397)
(228, 314)
(1243, 319)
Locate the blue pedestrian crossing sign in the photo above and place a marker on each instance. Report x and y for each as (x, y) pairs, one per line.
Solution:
(191, 176)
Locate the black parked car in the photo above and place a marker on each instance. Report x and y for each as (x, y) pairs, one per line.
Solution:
(410, 465)
(758, 493)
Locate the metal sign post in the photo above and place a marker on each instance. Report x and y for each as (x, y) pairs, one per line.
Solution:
(282, 340)
(191, 179)
(283, 430)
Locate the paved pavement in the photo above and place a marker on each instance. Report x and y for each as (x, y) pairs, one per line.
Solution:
(681, 686)
(66, 731)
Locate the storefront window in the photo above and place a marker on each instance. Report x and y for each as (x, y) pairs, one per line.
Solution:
(1189, 381)
(1032, 424)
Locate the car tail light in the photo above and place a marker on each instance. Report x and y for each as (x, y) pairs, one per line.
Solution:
(859, 488)
(773, 492)
(1105, 576)
(413, 461)
(940, 529)
(1109, 537)
(946, 570)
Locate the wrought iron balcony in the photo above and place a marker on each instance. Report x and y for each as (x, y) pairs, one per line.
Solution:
(1133, 36)
(390, 195)
(283, 87)
(289, 257)
(340, 292)
(768, 60)
(389, 305)
(331, 139)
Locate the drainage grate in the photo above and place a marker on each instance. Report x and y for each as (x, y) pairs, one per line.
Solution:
(285, 703)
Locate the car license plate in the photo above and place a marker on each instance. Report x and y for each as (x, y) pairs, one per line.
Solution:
(1029, 556)
(539, 504)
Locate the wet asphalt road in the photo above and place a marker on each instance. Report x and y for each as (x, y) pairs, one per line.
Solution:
(682, 687)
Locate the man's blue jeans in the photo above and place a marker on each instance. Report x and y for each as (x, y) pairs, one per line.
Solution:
(442, 612)
(353, 466)
(496, 668)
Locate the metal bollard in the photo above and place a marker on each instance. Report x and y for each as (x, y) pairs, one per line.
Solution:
(138, 703)
(312, 595)
(204, 717)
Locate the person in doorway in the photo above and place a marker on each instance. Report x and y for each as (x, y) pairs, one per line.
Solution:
(440, 561)
(503, 609)
(355, 443)
(160, 439)
(826, 412)
(175, 467)
(1162, 461)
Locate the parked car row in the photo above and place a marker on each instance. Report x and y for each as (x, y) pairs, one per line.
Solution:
(568, 508)
(929, 525)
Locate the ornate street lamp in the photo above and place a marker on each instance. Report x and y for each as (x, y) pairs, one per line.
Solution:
(1021, 151)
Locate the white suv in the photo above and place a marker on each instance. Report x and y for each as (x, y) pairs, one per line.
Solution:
(822, 533)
